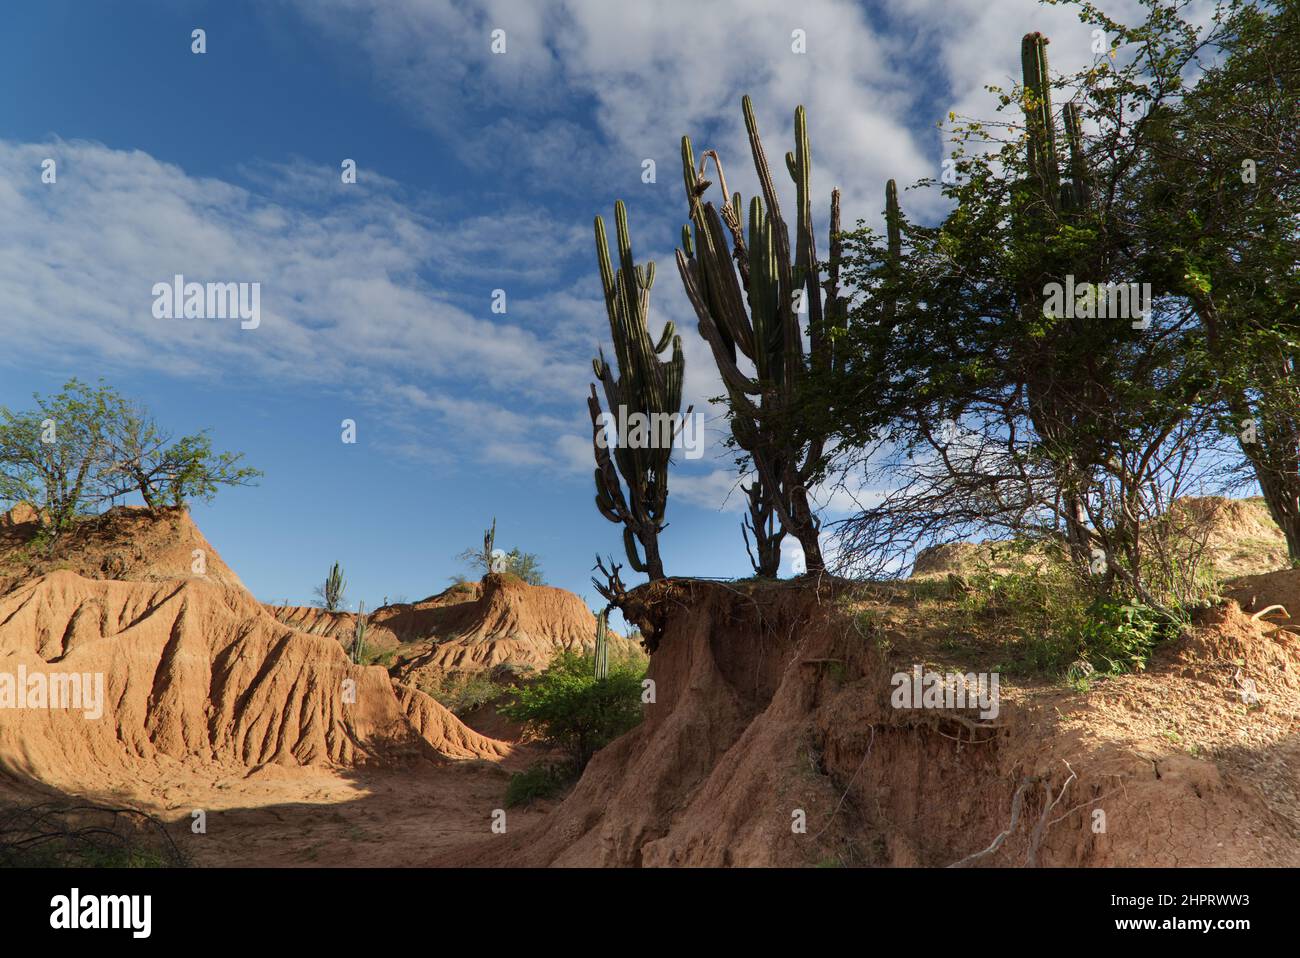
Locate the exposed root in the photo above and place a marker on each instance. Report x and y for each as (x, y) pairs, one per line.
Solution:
(1265, 611)
(1017, 801)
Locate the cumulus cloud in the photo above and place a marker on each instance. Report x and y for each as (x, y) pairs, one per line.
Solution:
(340, 288)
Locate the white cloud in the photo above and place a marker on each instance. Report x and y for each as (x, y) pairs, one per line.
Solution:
(341, 288)
(646, 73)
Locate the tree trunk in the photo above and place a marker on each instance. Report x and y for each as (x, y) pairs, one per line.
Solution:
(1282, 494)
(654, 564)
(806, 531)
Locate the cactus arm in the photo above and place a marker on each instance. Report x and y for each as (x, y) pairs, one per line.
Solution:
(1081, 191)
(731, 374)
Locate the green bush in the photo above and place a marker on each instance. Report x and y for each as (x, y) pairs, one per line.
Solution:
(1120, 636)
(569, 709)
(542, 780)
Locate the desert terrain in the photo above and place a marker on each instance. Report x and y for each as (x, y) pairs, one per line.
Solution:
(771, 705)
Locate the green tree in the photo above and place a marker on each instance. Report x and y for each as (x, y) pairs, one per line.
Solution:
(570, 709)
(1230, 198)
(980, 352)
(140, 456)
(87, 445)
(51, 455)
(525, 565)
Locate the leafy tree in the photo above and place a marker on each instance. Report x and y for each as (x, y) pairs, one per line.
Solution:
(570, 709)
(196, 472)
(525, 565)
(141, 457)
(51, 455)
(1230, 196)
(87, 445)
(1000, 409)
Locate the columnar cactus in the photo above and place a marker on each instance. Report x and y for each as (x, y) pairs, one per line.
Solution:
(765, 556)
(1047, 200)
(332, 591)
(1040, 127)
(602, 645)
(643, 384)
(755, 306)
(359, 635)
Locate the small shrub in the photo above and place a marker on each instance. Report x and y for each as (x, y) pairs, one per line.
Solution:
(461, 692)
(369, 655)
(541, 780)
(1120, 636)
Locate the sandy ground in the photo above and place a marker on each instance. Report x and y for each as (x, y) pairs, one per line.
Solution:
(287, 817)
(318, 817)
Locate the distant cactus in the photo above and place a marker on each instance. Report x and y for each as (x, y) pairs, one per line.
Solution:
(359, 635)
(602, 645)
(331, 593)
(643, 384)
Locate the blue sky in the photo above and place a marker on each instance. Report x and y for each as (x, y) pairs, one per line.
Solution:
(476, 172)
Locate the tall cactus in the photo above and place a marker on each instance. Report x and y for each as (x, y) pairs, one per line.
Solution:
(754, 307)
(645, 385)
(602, 645)
(765, 556)
(1044, 161)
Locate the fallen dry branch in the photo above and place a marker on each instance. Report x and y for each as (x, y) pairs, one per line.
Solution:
(50, 833)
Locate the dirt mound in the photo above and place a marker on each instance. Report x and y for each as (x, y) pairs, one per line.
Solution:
(387, 626)
(190, 668)
(471, 627)
(773, 740)
(1240, 538)
(1257, 592)
(127, 543)
(509, 623)
(966, 557)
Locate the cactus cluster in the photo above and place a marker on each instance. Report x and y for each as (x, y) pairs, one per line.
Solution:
(749, 291)
(1043, 157)
(642, 383)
